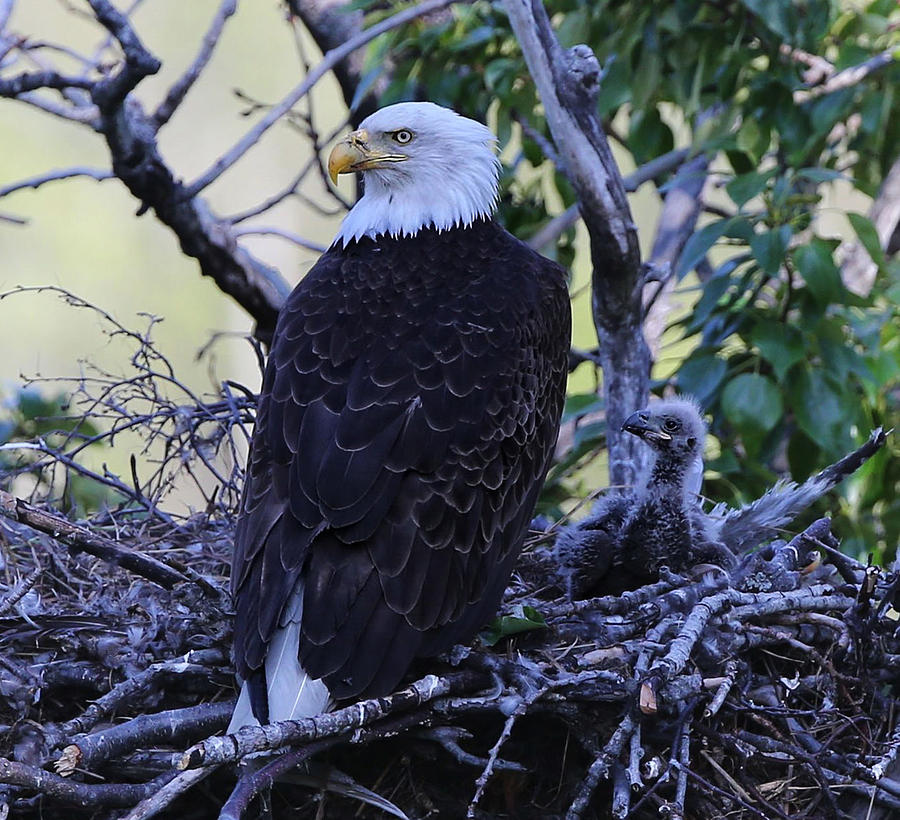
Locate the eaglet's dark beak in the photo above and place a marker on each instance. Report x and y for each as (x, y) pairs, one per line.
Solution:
(643, 425)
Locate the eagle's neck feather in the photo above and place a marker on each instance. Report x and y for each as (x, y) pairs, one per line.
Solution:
(433, 197)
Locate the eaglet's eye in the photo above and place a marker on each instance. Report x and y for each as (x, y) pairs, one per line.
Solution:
(402, 136)
(671, 424)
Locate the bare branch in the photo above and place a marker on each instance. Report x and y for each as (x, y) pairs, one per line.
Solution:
(651, 170)
(109, 93)
(328, 62)
(86, 796)
(180, 89)
(33, 80)
(79, 539)
(231, 748)
(677, 220)
(156, 802)
(53, 176)
(858, 270)
(6, 7)
(568, 83)
(848, 77)
(284, 234)
(332, 22)
(88, 115)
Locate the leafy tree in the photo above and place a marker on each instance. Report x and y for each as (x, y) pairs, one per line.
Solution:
(782, 109)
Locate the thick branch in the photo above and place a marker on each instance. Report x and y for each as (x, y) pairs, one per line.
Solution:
(87, 796)
(78, 539)
(568, 82)
(110, 93)
(33, 80)
(250, 739)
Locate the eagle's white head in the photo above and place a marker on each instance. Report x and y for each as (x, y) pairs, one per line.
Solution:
(425, 166)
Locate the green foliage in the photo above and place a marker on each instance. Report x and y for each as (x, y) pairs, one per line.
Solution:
(523, 619)
(34, 423)
(793, 367)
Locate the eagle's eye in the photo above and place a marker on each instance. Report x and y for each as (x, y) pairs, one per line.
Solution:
(671, 424)
(402, 136)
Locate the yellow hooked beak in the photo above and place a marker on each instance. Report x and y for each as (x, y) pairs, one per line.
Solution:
(353, 153)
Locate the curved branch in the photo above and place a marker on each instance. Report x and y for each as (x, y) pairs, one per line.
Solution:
(329, 61)
(568, 83)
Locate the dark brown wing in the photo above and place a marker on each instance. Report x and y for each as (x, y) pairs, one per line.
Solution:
(409, 408)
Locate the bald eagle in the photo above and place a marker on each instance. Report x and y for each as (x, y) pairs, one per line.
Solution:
(408, 413)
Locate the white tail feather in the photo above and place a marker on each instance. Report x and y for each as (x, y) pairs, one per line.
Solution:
(291, 693)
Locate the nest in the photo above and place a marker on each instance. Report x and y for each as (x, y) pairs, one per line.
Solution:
(765, 692)
(770, 693)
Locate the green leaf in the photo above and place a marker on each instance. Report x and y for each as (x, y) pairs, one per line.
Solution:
(579, 404)
(770, 247)
(868, 236)
(744, 187)
(699, 244)
(774, 14)
(820, 175)
(701, 375)
(615, 88)
(780, 344)
(524, 619)
(752, 402)
(649, 136)
(823, 412)
(815, 263)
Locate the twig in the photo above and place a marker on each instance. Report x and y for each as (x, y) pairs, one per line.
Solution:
(284, 234)
(651, 170)
(848, 77)
(170, 726)
(194, 662)
(524, 701)
(53, 176)
(21, 590)
(329, 61)
(599, 769)
(731, 671)
(185, 82)
(447, 737)
(250, 785)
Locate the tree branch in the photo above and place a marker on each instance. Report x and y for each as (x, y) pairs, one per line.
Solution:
(79, 539)
(53, 176)
(179, 90)
(231, 748)
(848, 77)
(86, 796)
(332, 22)
(651, 170)
(568, 83)
(328, 62)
